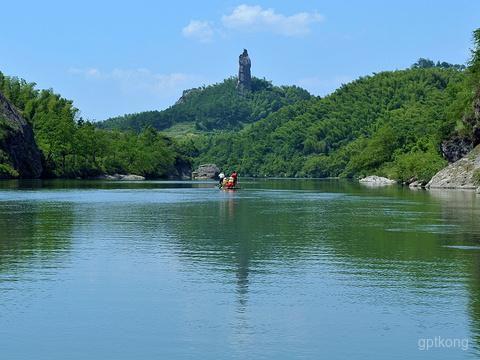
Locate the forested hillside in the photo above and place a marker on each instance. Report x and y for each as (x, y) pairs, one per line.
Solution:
(213, 108)
(72, 147)
(390, 124)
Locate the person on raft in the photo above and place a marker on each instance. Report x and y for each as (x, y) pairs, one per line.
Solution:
(230, 183)
(221, 176)
(227, 183)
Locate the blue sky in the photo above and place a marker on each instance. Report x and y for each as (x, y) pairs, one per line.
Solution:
(120, 57)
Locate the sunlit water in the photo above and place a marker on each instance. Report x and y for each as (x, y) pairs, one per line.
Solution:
(282, 269)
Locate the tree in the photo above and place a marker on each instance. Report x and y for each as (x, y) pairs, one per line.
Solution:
(54, 128)
(89, 147)
(423, 63)
(474, 62)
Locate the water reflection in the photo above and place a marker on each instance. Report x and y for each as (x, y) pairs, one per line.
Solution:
(284, 267)
(382, 245)
(33, 232)
(462, 209)
(240, 248)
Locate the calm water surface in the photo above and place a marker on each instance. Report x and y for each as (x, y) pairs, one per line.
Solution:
(283, 269)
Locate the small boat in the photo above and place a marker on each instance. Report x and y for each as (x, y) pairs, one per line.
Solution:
(228, 184)
(230, 188)
(227, 187)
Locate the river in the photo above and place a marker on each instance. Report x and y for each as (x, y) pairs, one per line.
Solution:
(281, 269)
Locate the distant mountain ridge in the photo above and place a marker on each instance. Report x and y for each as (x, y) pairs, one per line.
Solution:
(213, 108)
(390, 124)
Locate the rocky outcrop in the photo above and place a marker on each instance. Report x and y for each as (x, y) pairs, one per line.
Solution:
(244, 76)
(376, 180)
(17, 142)
(460, 144)
(186, 94)
(417, 184)
(456, 148)
(206, 172)
(462, 174)
(119, 177)
(182, 172)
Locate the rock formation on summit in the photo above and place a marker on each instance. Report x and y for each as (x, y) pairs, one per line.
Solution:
(244, 76)
(18, 150)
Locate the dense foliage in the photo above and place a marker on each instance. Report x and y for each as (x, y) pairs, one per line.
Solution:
(464, 110)
(72, 147)
(214, 108)
(7, 169)
(390, 124)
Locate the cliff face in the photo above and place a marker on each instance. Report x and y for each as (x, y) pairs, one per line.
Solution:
(463, 154)
(460, 145)
(462, 174)
(456, 148)
(18, 149)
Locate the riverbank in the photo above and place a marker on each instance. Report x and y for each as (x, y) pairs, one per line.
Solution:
(118, 177)
(462, 174)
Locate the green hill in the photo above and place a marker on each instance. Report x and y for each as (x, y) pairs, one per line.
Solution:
(72, 147)
(391, 124)
(214, 108)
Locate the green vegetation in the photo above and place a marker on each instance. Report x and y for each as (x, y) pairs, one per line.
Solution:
(464, 110)
(6, 169)
(215, 108)
(72, 147)
(391, 123)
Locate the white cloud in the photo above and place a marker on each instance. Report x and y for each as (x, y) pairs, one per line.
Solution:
(254, 19)
(199, 31)
(138, 81)
(90, 73)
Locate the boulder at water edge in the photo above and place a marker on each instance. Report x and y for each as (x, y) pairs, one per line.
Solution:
(462, 174)
(206, 172)
(377, 180)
